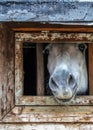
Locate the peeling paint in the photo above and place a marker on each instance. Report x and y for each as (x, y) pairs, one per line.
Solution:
(50, 114)
(46, 126)
(39, 117)
(43, 37)
(49, 36)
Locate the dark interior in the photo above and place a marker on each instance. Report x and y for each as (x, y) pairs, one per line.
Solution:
(29, 65)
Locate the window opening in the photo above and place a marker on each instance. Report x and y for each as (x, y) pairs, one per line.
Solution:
(29, 68)
(30, 60)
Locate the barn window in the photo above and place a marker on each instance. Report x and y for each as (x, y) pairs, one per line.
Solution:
(15, 43)
(31, 66)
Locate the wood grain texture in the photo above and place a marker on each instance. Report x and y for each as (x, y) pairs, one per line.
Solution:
(40, 69)
(37, 118)
(18, 71)
(7, 70)
(1, 69)
(50, 100)
(54, 28)
(90, 56)
(54, 37)
(43, 37)
(50, 114)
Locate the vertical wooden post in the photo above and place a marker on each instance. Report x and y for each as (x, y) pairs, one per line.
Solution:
(6, 70)
(90, 55)
(40, 69)
(18, 70)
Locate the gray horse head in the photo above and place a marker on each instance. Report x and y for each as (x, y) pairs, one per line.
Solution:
(68, 73)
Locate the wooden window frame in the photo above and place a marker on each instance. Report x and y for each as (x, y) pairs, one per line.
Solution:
(49, 37)
(14, 112)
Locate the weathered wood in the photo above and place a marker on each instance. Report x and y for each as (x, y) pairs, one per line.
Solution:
(43, 37)
(54, 37)
(6, 70)
(46, 126)
(56, 114)
(54, 117)
(40, 26)
(40, 69)
(62, 29)
(19, 74)
(50, 100)
(90, 68)
(1, 69)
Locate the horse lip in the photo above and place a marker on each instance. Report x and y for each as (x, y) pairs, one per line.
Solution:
(64, 100)
(67, 100)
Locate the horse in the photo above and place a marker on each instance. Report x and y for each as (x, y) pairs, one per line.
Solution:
(68, 71)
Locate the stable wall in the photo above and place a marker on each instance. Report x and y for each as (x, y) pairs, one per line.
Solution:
(63, 12)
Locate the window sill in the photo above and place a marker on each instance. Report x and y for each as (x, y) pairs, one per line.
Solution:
(49, 100)
(50, 114)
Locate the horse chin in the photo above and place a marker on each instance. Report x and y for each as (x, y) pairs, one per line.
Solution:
(65, 101)
(68, 100)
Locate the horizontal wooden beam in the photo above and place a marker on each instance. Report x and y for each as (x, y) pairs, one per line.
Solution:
(72, 29)
(50, 101)
(56, 114)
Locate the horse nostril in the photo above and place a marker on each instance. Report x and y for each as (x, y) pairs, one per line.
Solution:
(53, 82)
(71, 80)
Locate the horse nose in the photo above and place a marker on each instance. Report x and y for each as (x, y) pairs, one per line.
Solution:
(54, 83)
(65, 92)
(71, 80)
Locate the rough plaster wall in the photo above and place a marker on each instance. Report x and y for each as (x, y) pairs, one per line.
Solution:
(46, 10)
